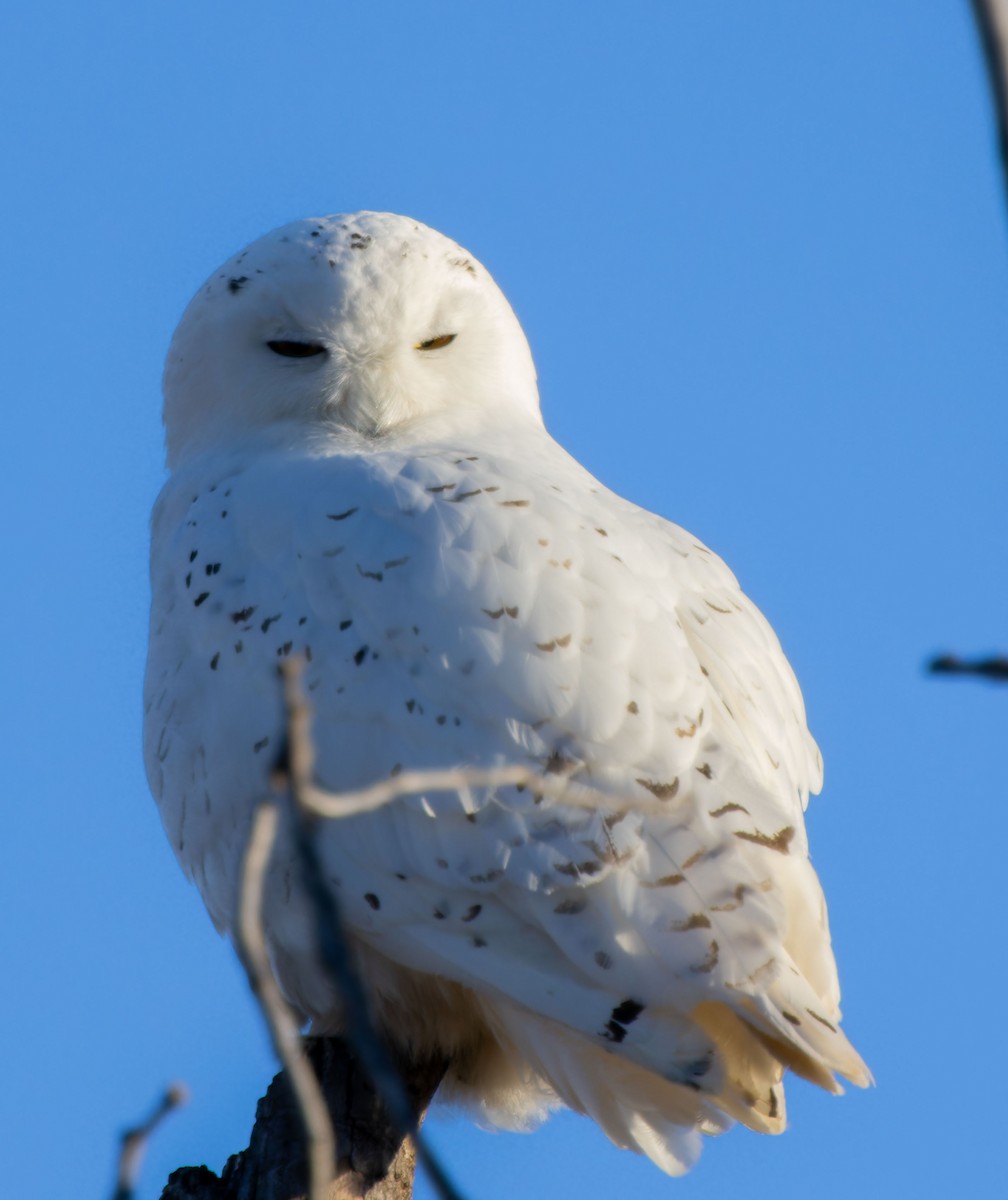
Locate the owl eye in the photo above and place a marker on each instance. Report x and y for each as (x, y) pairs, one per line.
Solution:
(296, 349)
(436, 343)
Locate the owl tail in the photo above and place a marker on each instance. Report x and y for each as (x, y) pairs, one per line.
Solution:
(636, 1109)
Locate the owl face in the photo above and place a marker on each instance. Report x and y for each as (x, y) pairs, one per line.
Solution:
(367, 322)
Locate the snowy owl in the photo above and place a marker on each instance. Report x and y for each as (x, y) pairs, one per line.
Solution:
(360, 475)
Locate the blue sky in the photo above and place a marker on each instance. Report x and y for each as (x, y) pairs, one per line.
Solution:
(760, 253)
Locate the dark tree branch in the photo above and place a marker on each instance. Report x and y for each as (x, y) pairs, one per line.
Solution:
(331, 941)
(283, 1027)
(994, 668)
(373, 1160)
(991, 17)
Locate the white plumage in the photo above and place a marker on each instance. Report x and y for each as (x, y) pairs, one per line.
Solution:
(360, 475)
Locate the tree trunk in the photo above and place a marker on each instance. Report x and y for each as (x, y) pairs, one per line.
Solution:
(373, 1161)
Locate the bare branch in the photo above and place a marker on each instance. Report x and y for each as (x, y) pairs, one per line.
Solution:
(134, 1141)
(283, 1028)
(318, 802)
(986, 668)
(333, 948)
(991, 17)
(458, 779)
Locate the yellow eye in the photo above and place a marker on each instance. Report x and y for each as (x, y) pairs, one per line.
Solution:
(436, 343)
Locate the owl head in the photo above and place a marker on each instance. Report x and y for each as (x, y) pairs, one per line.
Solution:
(369, 322)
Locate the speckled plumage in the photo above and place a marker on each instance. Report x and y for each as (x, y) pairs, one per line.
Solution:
(386, 502)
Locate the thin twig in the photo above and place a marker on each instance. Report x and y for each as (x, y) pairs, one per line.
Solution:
(987, 668)
(334, 950)
(350, 804)
(991, 17)
(283, 1028)
(542, 783)
(134, 1141)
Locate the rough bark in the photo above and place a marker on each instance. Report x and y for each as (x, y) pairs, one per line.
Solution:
(373, 1161)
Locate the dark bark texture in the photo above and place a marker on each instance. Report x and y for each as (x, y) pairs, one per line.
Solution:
(373, 1160)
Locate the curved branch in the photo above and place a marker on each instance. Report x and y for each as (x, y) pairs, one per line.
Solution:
(251, 946)
(991, 18)
(331, 941)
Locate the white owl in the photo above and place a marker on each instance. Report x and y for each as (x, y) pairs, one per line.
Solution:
(360, 475)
